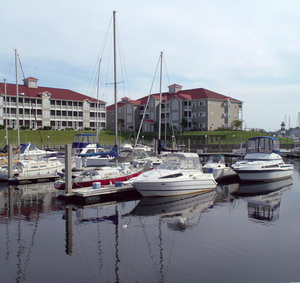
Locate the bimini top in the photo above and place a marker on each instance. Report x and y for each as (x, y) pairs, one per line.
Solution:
(263, 144)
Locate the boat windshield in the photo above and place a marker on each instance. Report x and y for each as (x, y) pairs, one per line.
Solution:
(182, 162)
(217, 158)
(263, 144)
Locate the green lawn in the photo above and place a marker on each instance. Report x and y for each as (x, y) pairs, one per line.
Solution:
(57, 138)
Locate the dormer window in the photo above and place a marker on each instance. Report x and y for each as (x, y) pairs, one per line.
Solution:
(31, 82)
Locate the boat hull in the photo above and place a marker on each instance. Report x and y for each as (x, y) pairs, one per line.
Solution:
(264, 175)
(104, 182)
(173, 188)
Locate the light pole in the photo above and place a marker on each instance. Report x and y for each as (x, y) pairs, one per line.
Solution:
(48, 141)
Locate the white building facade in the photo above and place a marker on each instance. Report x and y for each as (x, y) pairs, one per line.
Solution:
(40, 107)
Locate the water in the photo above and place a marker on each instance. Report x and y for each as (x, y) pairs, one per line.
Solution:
(213, 237)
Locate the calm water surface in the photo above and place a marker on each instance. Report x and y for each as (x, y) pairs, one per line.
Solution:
(222, 236)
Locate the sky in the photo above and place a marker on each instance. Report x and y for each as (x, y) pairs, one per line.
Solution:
(248, 50)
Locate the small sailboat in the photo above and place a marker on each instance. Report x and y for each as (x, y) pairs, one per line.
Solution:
(217, 166)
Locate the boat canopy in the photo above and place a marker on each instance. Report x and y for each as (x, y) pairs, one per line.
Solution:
(182, 161)
(83, 139)
(263, 144)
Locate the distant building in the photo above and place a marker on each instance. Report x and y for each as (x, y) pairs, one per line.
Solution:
(282, 129)
(47, 106)
(185, 110)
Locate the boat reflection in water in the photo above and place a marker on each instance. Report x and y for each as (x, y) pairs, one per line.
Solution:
(179, 212)
(263, 199)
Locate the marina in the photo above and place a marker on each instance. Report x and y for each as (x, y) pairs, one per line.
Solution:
(211, 236)
(161, 181)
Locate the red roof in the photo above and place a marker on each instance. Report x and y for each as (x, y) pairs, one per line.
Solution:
(112, 107)
(189, 94)
(123, 102)
(56, 93)
(30, 78)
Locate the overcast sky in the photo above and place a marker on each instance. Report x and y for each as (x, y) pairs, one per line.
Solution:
(249, 50)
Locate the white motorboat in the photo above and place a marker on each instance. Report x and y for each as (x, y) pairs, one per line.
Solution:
(217, 166)
(262, 161)
(179, 174)
(33, 168)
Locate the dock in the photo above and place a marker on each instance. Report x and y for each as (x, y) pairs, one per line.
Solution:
(90, 195)
(33, 179)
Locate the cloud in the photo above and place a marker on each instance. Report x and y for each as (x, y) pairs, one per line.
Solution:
(245, 49)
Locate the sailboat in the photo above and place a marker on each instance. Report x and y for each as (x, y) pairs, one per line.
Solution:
(105, 175)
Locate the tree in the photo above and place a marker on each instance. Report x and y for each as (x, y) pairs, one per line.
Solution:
(237, 124)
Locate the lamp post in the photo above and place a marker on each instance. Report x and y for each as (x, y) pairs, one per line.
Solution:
(48, 141)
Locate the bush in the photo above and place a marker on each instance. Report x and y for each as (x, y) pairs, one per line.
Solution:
(47, 128)
(2, 127)
(24, 127)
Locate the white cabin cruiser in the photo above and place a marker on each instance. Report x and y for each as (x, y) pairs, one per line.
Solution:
(179, 174)
(262, 161)
(217, 166)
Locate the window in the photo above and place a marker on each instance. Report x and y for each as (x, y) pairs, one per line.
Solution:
(52, 102)
(64, 113)
(39, 112)
(75, 103)
(58, 113)
(58, 102)
(64, 103)
(39, 101)
(69, 103)
(69, 113)
(92, 114)
(201, 103)
(52, 112)
(202, 114)
(80, 104)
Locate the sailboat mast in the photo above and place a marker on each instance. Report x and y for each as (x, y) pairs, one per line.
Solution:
(160, 99)
(17, 95)
(115, 78)
(97, 120)
(6, 116)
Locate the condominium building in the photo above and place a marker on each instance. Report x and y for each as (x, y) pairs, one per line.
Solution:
(183, 110)
(39, 107)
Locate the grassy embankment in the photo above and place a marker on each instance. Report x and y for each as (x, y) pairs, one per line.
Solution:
(60, 138)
